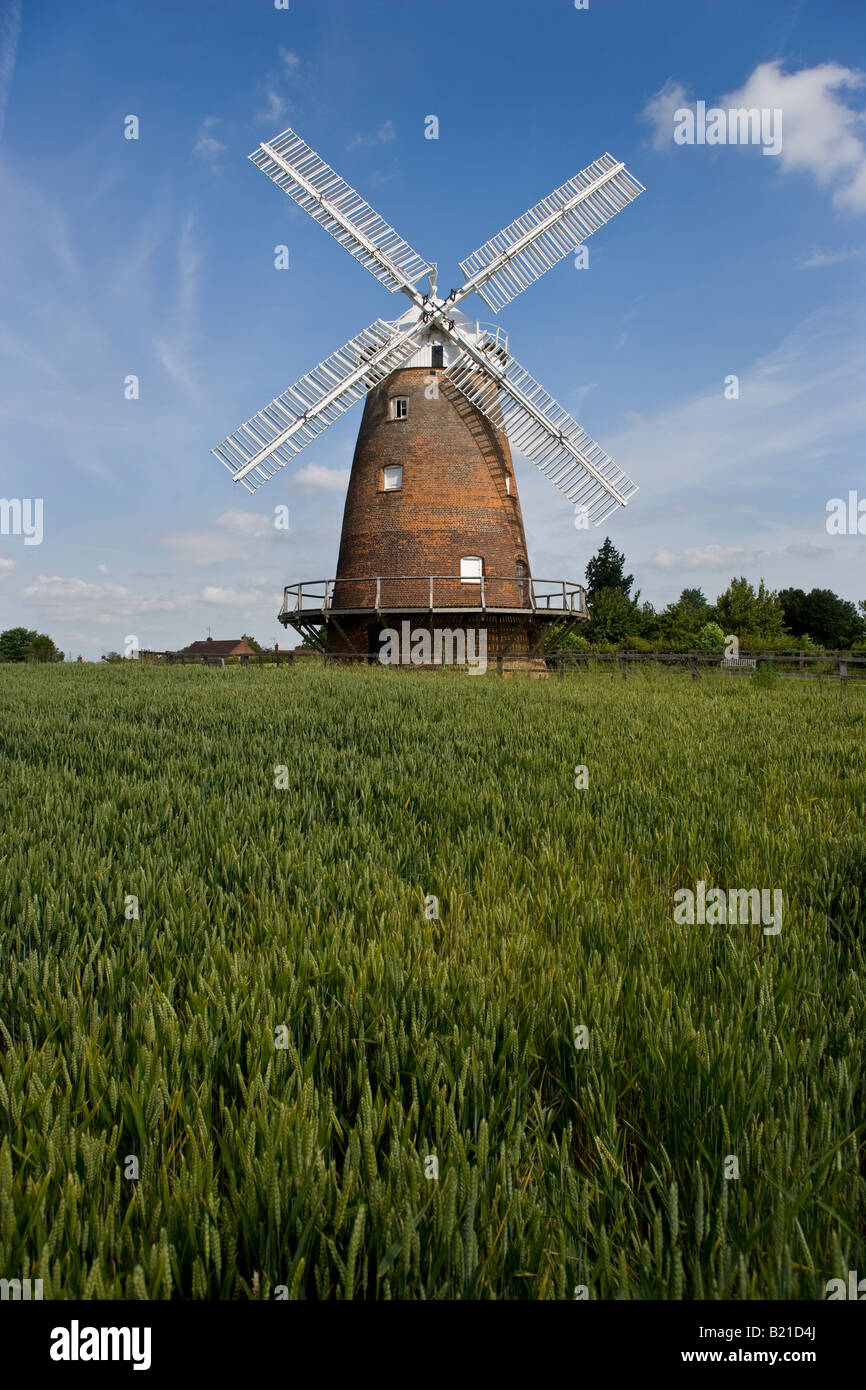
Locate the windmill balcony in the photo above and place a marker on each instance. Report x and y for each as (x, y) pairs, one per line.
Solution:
(314, 601)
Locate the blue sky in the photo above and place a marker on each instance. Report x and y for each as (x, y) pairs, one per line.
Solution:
(155, 258)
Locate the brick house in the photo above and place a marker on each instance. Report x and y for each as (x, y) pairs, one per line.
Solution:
(212, 652)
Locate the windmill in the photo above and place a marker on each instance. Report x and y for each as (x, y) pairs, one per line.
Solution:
(432, 528)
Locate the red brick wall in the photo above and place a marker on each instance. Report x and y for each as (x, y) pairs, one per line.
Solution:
(453, 501)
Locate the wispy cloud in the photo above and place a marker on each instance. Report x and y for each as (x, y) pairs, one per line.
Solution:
(174, 352)
(6, 567)
(234, 535)
(274, 106)
(208, 148)
(10, 32)
(659, 113)
(290, 60)
(818, 258)
(73, 599)
(704, 557)
(368, 140)
(315, 477)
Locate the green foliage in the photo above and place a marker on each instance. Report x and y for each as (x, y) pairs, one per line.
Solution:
(613, 616)
(765, 676)
(23, 644)
(605, 571)
(830, 620)
(574, 641)
(710, 638)
(740, 609)
(692, 600)
(409, 1037)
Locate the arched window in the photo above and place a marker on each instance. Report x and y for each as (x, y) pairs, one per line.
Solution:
(522, 586)
(471, 569)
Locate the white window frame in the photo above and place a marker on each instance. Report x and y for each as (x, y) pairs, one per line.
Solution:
(392, 468)
(466, 574)
(396, 403)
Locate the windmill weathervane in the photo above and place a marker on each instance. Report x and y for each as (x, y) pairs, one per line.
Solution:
(438, 490)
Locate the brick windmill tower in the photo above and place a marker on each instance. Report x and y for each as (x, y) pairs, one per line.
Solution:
(432, 537)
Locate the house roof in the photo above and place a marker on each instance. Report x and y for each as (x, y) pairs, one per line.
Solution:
(212, 647)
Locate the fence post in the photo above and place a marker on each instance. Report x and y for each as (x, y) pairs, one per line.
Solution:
(560, 666)
(801, 661)
(843, 674)
(623, 666)
(499, 663)
(693, 665)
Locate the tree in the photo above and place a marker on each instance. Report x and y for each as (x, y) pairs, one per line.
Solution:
(604, 571)
(613, 616)
(740, 610)
(254, 644)
(43, 649)
(23, 644)
(692, 601)
(822, 615)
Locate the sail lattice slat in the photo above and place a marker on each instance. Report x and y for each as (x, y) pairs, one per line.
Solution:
(521, 253)
(543, 430)
(336, 206)
(280, 430)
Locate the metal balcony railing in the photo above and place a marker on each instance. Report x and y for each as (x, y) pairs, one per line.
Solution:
(444, 592)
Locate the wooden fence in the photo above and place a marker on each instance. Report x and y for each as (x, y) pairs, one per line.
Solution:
(796, 665)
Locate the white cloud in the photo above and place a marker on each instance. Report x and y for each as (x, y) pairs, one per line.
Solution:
(659, 113)
(290, 60)
(383, 136)
(6, 567)
(207, 147)
(315, 477)
(273, 108)
(234, 598)
(10, 31)
(74, 599)
(54, 589)
(807, 550)
(818, 258)
(234, 535)
(103, 569)
(706, 557)
(174, 353)
(257, 524)
(821, 134)
(725, 480)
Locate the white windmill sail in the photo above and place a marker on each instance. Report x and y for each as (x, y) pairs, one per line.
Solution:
(498, 271)
(521, 253)
(543, 430)
(276, 434)
(335, 205)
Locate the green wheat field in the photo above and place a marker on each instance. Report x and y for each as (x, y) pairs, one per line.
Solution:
(295, 914)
